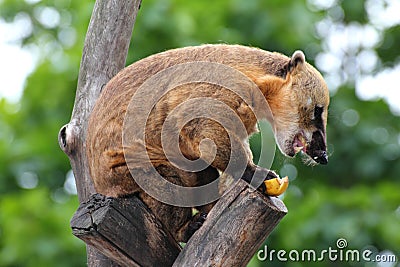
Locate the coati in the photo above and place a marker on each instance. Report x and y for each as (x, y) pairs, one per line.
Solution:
(295, 91)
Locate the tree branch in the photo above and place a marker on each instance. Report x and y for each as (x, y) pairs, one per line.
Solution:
(235, 228)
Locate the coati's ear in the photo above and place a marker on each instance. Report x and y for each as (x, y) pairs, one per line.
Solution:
(296, 60)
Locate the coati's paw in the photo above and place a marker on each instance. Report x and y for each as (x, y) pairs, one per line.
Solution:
(272, 185)
(275, 186)
(271, 175)
(196, 223)
(190, 227)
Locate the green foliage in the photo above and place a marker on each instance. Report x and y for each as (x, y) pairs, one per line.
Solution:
(361, 214)
(385, 50)
(176, 23)
(354, 197)
(35, 231)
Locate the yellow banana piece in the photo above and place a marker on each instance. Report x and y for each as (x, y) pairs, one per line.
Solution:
(276, 186)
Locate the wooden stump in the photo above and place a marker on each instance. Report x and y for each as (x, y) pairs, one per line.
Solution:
(124, 230)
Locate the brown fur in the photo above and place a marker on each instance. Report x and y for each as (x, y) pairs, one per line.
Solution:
(291, 86)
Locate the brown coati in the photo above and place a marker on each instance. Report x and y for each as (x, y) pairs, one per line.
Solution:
(294, 91)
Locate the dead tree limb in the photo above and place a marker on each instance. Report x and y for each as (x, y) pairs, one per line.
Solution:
(104, 54)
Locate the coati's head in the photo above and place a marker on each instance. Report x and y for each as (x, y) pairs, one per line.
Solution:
(300, 110)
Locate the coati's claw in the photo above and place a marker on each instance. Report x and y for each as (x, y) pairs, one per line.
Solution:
(196, 223)
(275, 187)
(271, 175)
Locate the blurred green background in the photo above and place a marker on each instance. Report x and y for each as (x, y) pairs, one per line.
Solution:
(354, 43)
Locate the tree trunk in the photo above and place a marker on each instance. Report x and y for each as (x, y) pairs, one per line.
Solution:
(104, 54)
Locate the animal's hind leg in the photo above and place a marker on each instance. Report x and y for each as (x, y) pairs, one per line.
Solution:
(180, 220)
(172, 217)
(194, 179)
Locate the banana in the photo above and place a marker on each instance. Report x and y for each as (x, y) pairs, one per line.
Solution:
(276, 186)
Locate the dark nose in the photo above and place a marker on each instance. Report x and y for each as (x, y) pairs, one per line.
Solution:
(317, 148)
(321, 158)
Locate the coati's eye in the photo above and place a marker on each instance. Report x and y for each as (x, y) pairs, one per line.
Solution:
(318, 117)
(318, 112)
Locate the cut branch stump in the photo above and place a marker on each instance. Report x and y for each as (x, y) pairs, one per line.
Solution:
(124, 230)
